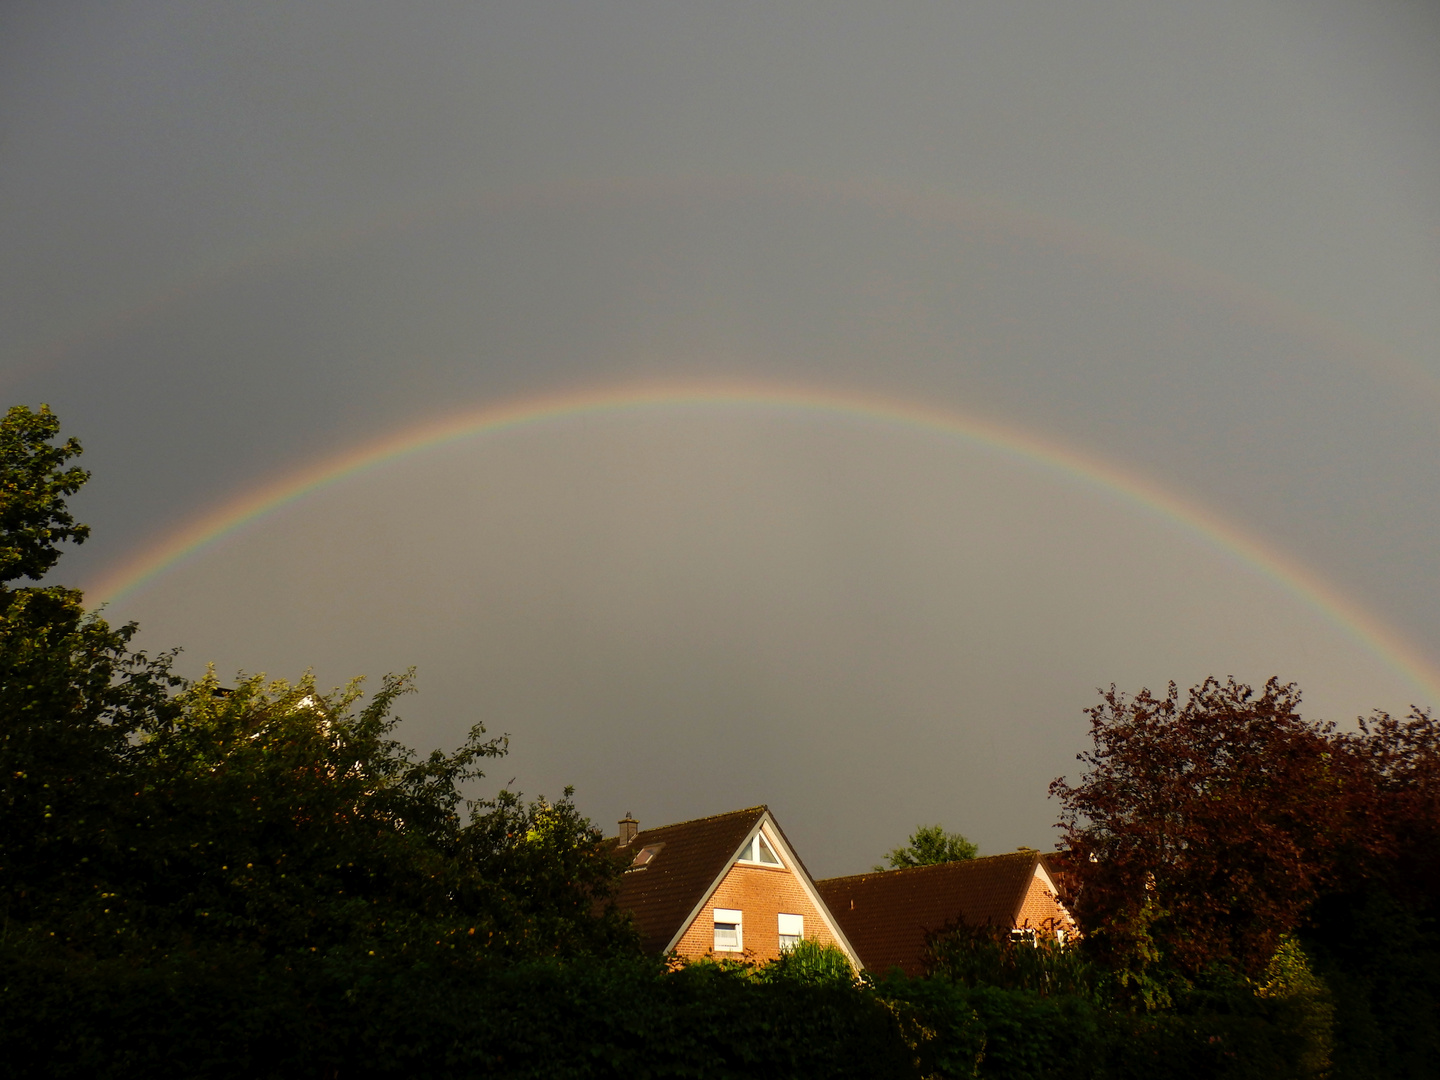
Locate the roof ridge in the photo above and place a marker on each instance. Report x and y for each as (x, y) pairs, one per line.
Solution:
(762, 808)
(932, 866)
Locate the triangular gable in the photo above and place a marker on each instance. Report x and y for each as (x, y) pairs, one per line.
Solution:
(1043, 873)
(767, 824)
(1042, 909)
(663, 892)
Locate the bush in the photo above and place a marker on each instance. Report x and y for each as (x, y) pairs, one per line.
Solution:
(995, 956)
(218, 1013)
(240, 1014)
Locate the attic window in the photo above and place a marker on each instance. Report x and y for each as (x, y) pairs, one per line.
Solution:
(758, 850)
(644, 855)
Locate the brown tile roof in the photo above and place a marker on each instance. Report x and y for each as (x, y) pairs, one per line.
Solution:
(887, 914)
(668, 888)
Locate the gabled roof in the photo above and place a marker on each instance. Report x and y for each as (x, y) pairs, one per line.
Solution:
(887, 914)
(665, 893)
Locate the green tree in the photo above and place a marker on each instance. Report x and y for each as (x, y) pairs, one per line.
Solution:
(929, 845)
(73, 694)
(34, 484)
(140, 814)
(278, 817)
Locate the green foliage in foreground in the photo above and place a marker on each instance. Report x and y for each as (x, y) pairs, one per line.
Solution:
(1380, 959)
(274, 817)
(232, 1013)
(992, 956)
(227, 1012)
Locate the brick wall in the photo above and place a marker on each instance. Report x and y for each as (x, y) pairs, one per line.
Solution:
(761, 893)
(1041, 910)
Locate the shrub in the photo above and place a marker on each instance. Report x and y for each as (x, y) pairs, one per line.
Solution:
(988, 955)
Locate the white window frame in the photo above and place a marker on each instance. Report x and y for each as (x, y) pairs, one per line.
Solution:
(778, 864)
(730, 917)
(793, 923)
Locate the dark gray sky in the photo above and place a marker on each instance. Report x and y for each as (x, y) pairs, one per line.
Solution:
(1198, 242)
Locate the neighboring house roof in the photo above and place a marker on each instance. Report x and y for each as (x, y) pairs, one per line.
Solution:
(887, 914)
(676, 868)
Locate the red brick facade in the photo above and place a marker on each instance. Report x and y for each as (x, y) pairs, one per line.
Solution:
(762, 893)
(1041, 910)
(679, 874)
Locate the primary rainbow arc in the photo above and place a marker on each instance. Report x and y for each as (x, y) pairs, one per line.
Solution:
(186, 541)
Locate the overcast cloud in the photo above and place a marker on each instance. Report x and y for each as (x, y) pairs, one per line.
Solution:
(1200, 242)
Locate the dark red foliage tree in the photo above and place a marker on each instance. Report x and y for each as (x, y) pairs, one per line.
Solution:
(1400, 762)
(1202, 831)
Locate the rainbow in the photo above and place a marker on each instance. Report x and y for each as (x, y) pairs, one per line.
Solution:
(184, 543)
(940, 209)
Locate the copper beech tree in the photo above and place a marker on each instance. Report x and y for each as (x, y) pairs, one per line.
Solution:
(1399, 762)
(1204, 829)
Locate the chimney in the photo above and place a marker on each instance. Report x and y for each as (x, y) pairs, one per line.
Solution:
(628, 828)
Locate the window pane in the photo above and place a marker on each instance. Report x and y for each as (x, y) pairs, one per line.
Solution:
(792, 926)
(766, 855)
(788, 941)
(747, 853)
(727, 929)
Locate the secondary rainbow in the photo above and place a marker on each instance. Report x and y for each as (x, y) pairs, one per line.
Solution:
(180, 545)
(933, 207)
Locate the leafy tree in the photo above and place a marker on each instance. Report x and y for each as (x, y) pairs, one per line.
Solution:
(929, 845)
(277, 817)
(1375, 935)
(34, 483)
(1399, 762)
(138, 813)
(73, 694)
(1204, 830)
(989, 955)
(1210, 841)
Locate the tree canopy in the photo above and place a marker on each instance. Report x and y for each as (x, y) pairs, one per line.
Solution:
(74, 696)
(139, 811)
(1205, 830)
(929, 845)
(33, 485)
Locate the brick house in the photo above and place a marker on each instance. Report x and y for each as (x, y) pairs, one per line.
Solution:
(886, 915)
(723, 886)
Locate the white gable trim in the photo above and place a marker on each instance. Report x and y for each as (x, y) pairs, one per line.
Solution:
(1049, 883)
(793, 865)
(797, 868)
(1045, 878)
(689, 920)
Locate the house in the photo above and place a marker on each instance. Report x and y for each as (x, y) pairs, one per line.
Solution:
(724, 886)
(886, 915)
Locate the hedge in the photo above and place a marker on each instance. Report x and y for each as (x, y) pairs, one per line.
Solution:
(239, 1015)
